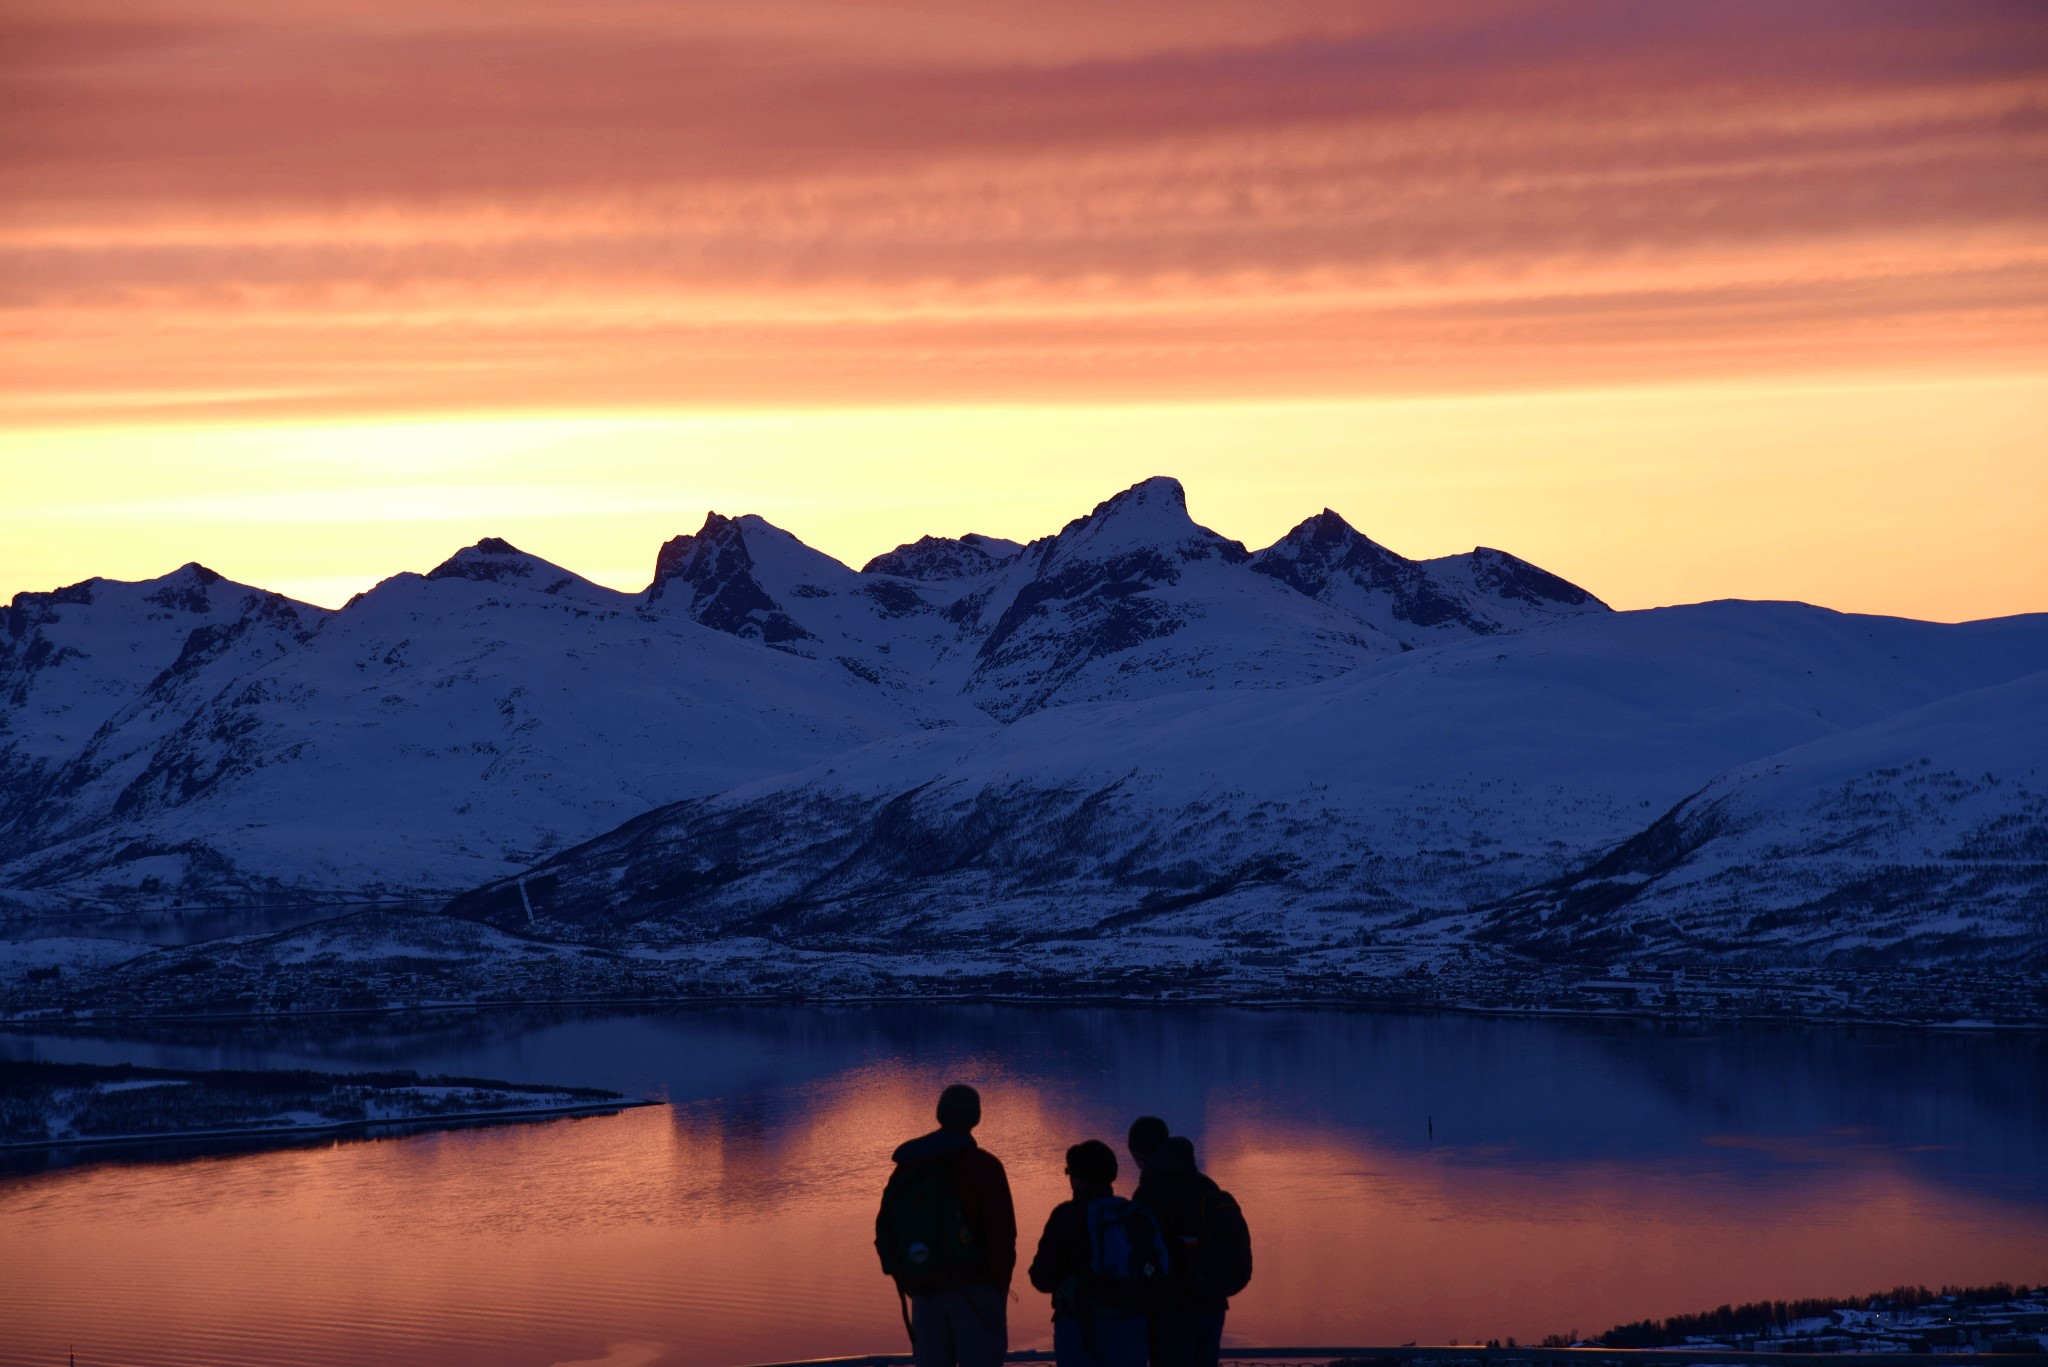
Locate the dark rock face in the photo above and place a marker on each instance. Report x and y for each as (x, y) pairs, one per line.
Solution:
(185, 589)
(934, 558)
(36, 609)
(1484, 593)
(491, 561)
(1584, 914)
(1094, 594)
(1326, 547)
(1103, 601)
(169, 673)
(895, 600)
(81, 594)
(1517, 579)
(711, 572)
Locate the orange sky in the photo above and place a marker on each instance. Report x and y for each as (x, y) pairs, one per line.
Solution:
(276, 224)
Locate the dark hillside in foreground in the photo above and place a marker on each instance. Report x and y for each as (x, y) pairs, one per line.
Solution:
(2001, 1318)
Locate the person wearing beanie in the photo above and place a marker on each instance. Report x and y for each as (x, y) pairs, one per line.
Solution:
(947, 1234)
(1148, 1132)
(1089, 1327)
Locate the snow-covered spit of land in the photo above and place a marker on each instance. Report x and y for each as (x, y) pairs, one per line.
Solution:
(55, 1105)
(1131, 757)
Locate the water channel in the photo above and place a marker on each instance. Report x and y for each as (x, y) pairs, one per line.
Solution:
(1426, 1178)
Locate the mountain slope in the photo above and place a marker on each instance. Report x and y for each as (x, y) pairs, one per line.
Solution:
(437, 730)
(1418, 602)
(1921, 837)
(1410, 789)
(1133, 600)
(748, 578)
(74, 659)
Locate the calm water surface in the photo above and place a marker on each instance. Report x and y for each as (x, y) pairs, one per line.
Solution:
(1581, 1174)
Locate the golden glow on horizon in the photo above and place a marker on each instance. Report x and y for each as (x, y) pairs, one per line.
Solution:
(1823, 491)
(1679, 303)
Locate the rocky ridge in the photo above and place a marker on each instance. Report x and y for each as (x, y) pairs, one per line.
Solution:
(1131, 752)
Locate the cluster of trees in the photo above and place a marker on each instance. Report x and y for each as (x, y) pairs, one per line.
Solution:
(1765, 1317)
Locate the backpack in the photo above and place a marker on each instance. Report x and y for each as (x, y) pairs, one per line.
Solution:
(1216, 1255)
(1126, 1255)
(923, 1234)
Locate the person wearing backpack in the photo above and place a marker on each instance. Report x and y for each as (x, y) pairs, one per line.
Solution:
(1103, 1262)
(1207, 1241)
(947, 1234)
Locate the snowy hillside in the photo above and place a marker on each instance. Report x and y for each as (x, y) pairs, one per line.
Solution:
(437, 730)
(1130, 752)
(1133, 600)
(1402, 793)
(187, 741)
(1417, 602)
(73, 659)
(1920, 837)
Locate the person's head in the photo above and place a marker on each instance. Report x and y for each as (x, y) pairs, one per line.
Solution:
(1091, 1163)
(1183, 1150)
(1148, 1134)
(959, 1107)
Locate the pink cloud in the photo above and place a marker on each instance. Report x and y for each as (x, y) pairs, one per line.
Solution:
(794, 198)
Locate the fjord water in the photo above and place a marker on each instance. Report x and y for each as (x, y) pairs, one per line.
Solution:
(1580, 1173)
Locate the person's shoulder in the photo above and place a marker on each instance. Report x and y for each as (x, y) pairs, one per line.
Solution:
(926, 1148)
(1069, 1209)
(981, 1158)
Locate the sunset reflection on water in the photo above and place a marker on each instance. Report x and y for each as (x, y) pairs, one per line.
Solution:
(737, 1227)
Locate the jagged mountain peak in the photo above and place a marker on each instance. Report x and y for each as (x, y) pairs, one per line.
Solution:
(1513, 578)
(494, 560)
(1415, 601)
(184, 590)
(1327, 537)
(188, 577)
(727, 546)
(711, 575)
(694, 556)
(1150, 516)
(933, 558)
(1328, 559)
(1001, 547)
(193, 572)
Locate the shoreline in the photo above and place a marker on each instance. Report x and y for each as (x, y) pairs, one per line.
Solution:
(32, 1023)
(421, 1124)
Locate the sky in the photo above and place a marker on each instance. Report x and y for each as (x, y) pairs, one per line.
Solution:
(1679, 301)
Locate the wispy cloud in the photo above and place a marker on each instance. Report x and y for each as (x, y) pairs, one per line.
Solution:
(362, 206)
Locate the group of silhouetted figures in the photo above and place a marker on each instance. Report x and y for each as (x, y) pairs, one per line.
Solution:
(1137, 1280)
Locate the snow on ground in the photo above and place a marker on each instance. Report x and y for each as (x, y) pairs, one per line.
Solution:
(1129, 735)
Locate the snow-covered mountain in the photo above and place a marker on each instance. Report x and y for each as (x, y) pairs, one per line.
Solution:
(188, 741)
(437, 730)
(1130, 743)
(1920, 837)
(1418, 601)
(1133, 600)
(1402, 794)
(74, 660)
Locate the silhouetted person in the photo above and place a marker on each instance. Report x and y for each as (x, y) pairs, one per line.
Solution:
(1102, 1260)
(948, 1234)
(1208, 1246)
